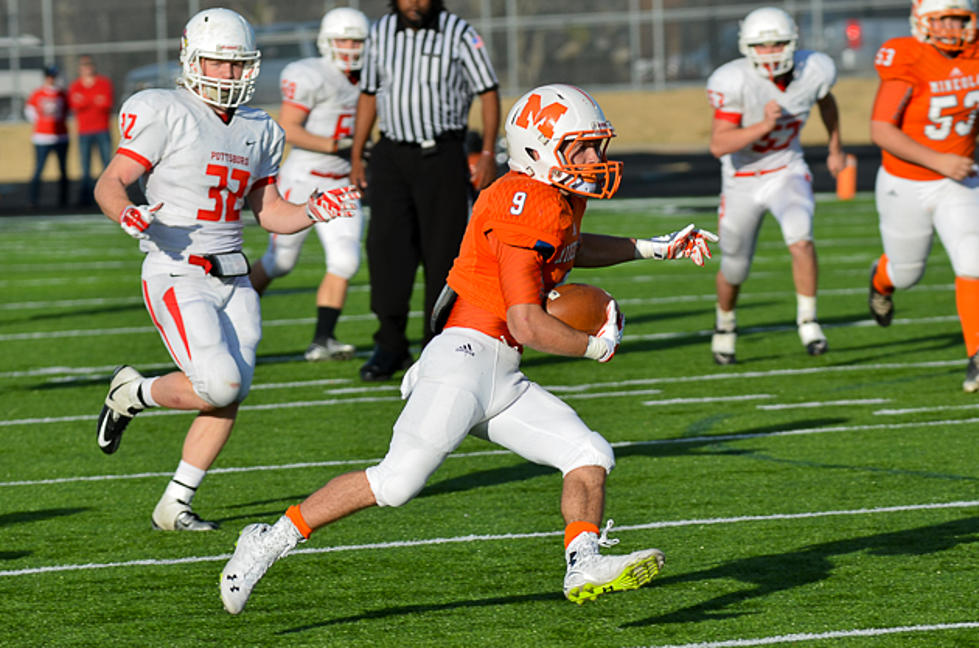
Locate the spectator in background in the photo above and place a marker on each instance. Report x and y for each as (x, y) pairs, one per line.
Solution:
(90, 98)
(47, 110)
(419, 180)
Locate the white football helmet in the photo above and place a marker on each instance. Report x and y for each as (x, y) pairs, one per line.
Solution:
(765, 26)
(343, 23)
(549, 121)
(223, 35)
(923, 12)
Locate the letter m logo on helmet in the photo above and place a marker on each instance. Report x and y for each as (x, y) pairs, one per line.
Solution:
(544, 118)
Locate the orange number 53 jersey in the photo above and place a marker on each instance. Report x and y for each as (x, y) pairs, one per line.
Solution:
(930, 97)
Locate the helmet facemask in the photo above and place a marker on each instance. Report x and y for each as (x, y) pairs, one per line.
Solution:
(594, 179)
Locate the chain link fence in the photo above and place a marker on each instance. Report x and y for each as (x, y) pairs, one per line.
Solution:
(611, 45)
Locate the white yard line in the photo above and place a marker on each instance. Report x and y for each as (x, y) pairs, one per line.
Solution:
(817, 636)
(497, 537)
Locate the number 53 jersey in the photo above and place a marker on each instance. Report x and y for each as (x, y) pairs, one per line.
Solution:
(739, 94)
(932, 98)
(199, 166)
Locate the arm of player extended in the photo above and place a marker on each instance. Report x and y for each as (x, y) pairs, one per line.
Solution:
(292, 119)
(274, 213)
(830, 114)
(110, 190)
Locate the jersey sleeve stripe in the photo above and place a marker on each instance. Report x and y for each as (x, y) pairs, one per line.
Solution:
(133, 155)
(734, 118)
(263, 181)
(297, 105)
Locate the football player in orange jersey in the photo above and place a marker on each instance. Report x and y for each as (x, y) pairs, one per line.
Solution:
(924, 121)
(523, 238)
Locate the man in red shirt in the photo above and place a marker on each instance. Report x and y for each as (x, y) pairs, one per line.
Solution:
(47, 110)
(90, 98)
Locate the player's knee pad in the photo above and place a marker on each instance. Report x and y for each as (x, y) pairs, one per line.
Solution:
(905, 275)
(343, 257)
(282, 254)
(594, 451)
(796, 226)
(735, 268)
(219, 381)
(965, 261)
(396, 480)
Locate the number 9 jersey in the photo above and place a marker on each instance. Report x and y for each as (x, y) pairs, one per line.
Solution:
(739, 94)
(932, 98)
(199, 166)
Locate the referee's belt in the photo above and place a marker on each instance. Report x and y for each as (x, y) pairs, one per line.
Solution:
(457, 135)
(760, 172)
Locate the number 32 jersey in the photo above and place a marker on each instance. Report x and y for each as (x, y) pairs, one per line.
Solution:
(739, 94)
(936, 106)
(198, 166)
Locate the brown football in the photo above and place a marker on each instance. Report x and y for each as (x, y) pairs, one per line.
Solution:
(580, 306)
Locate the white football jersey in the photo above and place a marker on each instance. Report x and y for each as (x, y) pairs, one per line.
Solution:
(198, 166)
(736, 89)
(321, 88)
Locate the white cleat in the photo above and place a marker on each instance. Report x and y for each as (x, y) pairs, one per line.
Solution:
(122, 403)
(722, 346)
(174, 515)
(591, 574)
(971, 383)
(332, 350)
(812, 338)
(258, 547)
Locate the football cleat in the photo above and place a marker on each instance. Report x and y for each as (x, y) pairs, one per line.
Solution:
(173, 515)
(971, 382)
(812, 338)
(332, 350)
(722, 346)
(121, 404)
(881, 305)
(591, 574)
(258, 547)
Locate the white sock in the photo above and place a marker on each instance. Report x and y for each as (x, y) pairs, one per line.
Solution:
(805, 309)
(184, 483)
(724, 320)
(145, 391)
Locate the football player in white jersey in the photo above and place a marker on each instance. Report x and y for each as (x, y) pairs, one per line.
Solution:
(319, 98)
(199, 154)
(761, 102)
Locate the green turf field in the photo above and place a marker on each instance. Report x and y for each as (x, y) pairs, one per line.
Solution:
(818, 502)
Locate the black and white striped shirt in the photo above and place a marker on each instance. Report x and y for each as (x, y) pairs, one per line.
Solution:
(425, 80)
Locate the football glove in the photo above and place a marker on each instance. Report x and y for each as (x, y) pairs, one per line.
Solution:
(135, 219)
(324, 206)
(603, 344)
(687, 243)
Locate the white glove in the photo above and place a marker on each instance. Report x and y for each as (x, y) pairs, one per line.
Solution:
(602, 346)
(135, 219)
(324, 206)
(690, 242)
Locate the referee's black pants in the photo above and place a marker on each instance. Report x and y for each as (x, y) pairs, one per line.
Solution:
(419, 209)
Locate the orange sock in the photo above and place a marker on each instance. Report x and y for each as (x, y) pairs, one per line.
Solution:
(882, 283)
(967, 302)
(294, 514)
(576, 528)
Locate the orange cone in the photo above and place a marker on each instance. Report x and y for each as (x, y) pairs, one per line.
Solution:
(846, 180)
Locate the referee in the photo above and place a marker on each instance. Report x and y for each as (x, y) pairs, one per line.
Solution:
(422, 67)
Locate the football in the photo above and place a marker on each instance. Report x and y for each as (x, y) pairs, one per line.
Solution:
(580, 306)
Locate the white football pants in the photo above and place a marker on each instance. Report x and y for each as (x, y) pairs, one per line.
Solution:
(466, 382)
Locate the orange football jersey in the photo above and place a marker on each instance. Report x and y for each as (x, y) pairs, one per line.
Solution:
(937, 109)
(515, 213)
